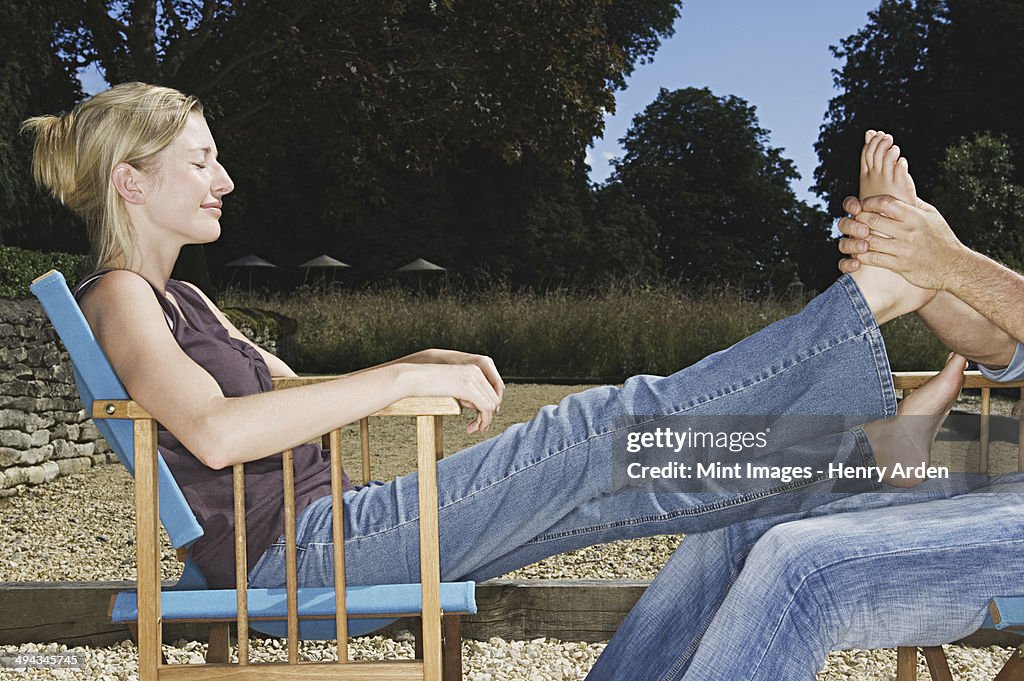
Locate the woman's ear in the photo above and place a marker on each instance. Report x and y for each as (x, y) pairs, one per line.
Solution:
(127, 181)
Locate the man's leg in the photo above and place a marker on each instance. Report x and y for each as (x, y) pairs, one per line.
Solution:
(919, 575)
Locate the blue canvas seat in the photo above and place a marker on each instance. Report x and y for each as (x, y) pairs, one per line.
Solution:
(271, 604)
(190, 599)
(1006, 613)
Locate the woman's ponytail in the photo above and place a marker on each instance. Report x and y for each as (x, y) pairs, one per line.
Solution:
(53, 156)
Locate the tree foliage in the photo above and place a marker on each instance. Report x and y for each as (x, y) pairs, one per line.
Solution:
(384, 131)
(932, 72)
(701, 167)
(32, 80)
(977, 195)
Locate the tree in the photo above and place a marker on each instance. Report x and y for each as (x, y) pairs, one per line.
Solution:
(981, 202)
(931, 72)
(581, 236)
(32, 80)
(702, 169)
(355, 108)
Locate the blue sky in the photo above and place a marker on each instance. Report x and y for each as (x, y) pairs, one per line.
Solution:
(772, 53)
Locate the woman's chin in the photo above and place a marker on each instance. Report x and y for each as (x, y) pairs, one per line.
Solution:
(209, 235)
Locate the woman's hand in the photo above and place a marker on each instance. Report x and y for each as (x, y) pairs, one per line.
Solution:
(486, 364)
(466, 382)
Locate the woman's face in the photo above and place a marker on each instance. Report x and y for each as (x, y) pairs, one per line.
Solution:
(186, 184)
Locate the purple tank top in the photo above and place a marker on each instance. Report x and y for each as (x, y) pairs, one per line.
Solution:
(239, 370)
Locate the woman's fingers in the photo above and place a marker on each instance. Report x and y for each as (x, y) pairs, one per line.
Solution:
(482, 394)
(492, 375)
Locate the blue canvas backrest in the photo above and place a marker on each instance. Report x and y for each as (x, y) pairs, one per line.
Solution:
(95, 378)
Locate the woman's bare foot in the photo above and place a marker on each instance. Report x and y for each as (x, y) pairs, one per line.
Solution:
(883, 171)
(906, 439)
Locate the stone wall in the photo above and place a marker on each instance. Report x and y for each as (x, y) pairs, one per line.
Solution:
(44, 432)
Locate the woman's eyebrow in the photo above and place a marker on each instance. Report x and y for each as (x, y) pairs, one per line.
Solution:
(205, 150)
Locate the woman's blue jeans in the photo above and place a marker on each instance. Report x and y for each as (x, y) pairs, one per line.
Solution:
(546, 486)
(768, 598)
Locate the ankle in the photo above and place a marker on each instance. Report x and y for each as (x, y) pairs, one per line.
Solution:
(880, 299)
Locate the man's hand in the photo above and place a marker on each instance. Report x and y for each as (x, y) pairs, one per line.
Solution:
(972, 314)
(914, 241)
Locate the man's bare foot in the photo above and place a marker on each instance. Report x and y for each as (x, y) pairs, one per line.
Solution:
(883, 171)
(907, 438)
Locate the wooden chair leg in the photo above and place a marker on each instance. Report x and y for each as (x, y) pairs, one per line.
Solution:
(1013, 670)
(906, 664)
(219, 642)
(935, 656)
(133, 631)
(417, 632)
(451, 631)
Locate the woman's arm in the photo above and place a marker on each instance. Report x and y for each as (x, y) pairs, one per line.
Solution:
(429, 356)
(129, 325)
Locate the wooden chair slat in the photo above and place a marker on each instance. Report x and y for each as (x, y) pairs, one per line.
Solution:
(430, 568)
(1020, 439)
(364, 448)
(241, 561)
(291, 563)
(147, 547)
(438, 438)
(984, 436)
(338, 518)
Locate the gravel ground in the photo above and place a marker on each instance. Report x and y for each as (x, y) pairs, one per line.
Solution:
(81, 528)
(493, 660)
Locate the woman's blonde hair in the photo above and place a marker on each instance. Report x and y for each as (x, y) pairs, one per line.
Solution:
(75, 154)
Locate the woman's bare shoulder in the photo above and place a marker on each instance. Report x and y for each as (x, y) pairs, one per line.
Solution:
(120, 303)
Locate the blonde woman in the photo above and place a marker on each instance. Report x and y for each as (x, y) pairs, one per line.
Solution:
(138, 163)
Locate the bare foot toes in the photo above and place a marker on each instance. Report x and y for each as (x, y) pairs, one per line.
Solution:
(902, 182)
(879, 171)
(903, 444)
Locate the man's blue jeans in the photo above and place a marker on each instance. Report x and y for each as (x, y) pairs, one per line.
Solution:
(770, 597)
(546, 486)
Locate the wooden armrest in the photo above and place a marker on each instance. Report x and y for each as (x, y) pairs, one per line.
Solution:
(281, 382)
(409, 406)
(911, 380)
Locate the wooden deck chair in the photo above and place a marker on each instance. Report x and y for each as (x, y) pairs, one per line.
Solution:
(306, 613)
(1006, 613)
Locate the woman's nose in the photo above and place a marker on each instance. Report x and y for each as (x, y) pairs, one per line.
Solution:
(223, 183)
